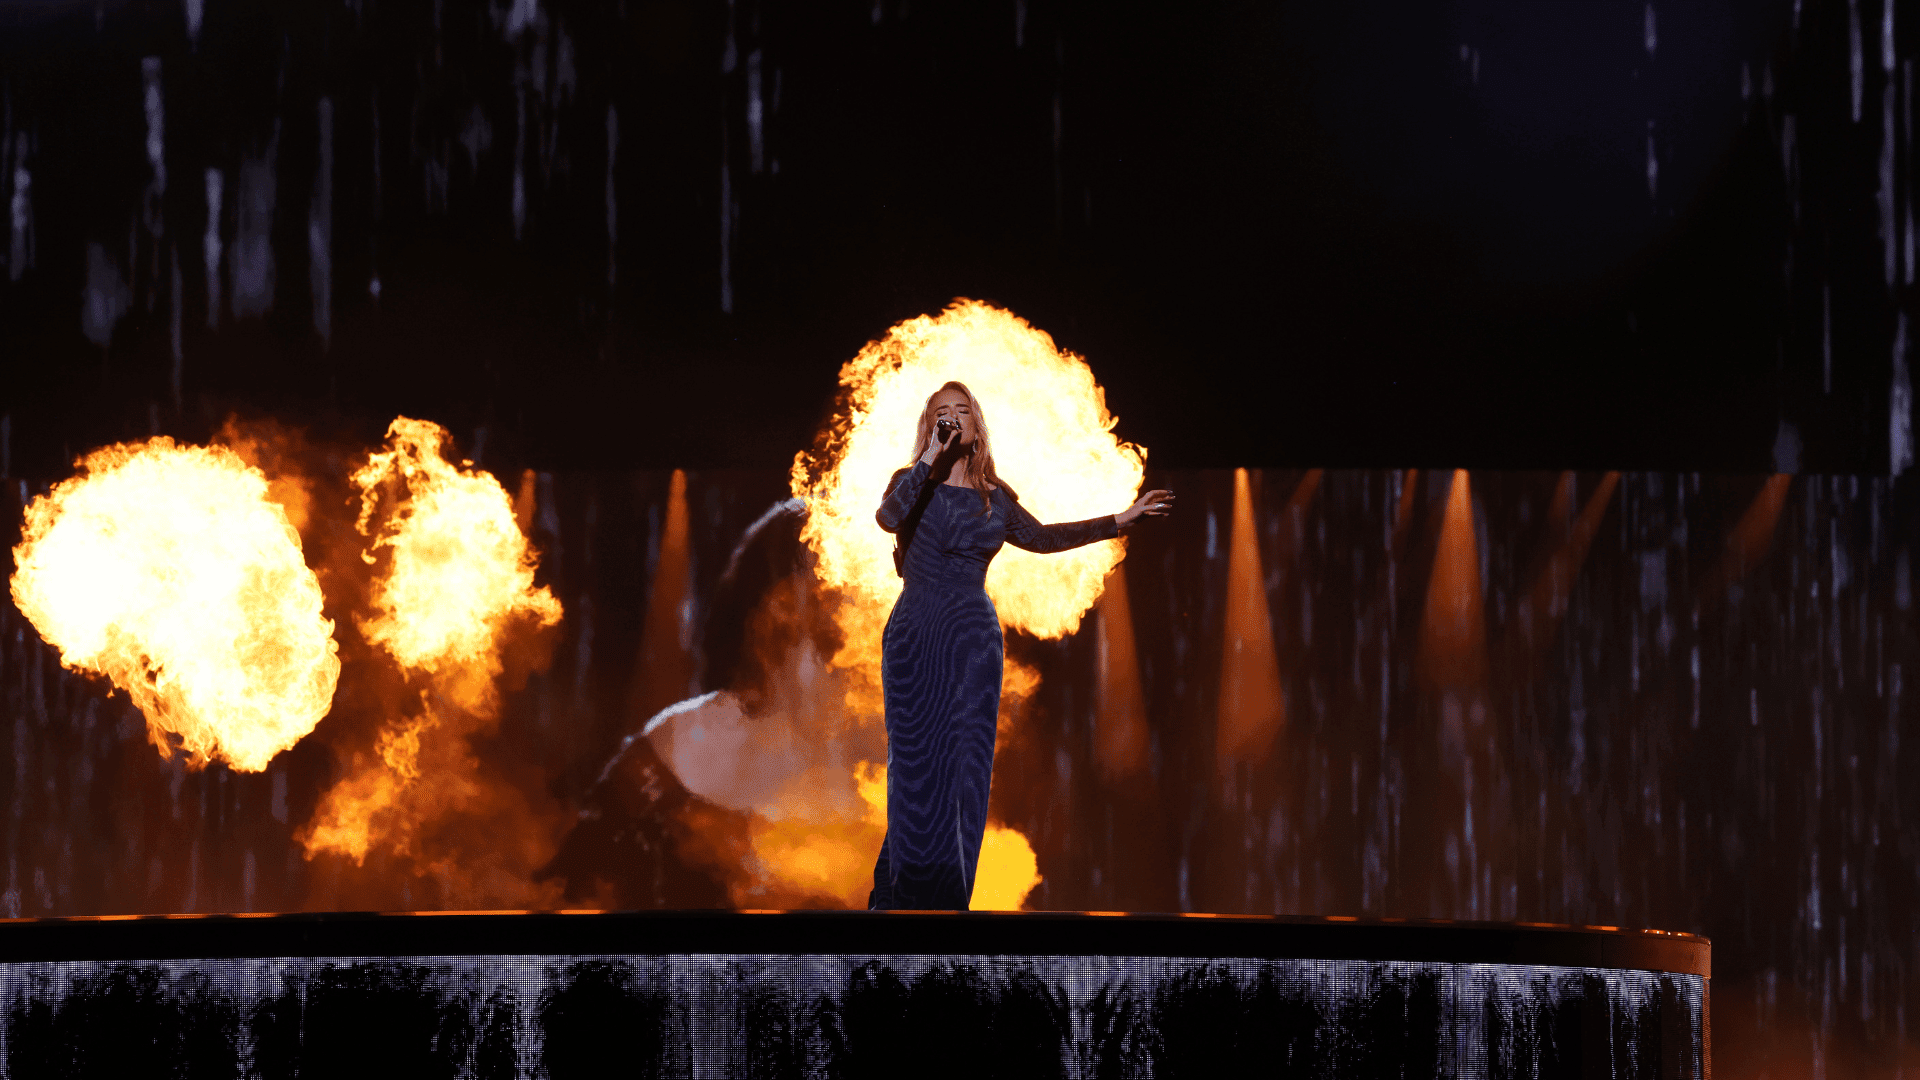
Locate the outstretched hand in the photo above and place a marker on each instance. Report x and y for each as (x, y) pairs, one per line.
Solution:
(1155, 503)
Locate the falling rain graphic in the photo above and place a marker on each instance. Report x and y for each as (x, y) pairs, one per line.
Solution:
(399, 424)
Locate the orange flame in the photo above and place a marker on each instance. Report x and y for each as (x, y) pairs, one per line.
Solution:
(169, 570)
(459, 576)
(1053, 441)
(832, 854)
(343, 821)
(817, 837)
(1008, 871)
(461, 566)
(823, 850)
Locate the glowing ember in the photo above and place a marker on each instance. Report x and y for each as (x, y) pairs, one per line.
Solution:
(459, 576)
(168, 569)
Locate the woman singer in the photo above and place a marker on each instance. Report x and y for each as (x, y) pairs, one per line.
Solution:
(941, 653)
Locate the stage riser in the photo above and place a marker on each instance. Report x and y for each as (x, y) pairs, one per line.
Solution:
(832, 1016)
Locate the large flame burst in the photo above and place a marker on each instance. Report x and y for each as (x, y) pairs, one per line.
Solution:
(459, 574)
(1053, 441)
(169, 570)
(461, 566)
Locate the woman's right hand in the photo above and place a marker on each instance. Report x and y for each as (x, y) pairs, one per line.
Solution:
(935, 448)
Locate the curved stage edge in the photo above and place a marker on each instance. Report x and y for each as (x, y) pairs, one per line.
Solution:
(832, 993)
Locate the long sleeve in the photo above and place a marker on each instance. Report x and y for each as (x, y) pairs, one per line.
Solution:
(903, 491)
(1025, 532)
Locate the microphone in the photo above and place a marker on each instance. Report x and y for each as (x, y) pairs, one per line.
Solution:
(946, 430)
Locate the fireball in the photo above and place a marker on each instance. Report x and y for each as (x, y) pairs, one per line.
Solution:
(170, 571)
(1053, 441)
(457, 581)
(461, 565)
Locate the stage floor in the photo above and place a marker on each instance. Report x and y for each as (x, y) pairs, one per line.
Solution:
(958, 933)
(832, 994)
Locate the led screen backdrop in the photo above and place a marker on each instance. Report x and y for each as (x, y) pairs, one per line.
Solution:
(1535, 380)
(1703, 731)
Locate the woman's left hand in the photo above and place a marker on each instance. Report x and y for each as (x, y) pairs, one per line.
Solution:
(1155, 503)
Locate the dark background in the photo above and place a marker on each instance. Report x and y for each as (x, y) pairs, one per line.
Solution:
(1365, 234)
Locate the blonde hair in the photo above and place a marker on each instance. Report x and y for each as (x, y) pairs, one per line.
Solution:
(980, 471)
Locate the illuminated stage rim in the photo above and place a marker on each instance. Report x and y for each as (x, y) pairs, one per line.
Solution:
(659, 933)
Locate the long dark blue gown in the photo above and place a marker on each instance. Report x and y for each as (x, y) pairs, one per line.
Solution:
(940, 668)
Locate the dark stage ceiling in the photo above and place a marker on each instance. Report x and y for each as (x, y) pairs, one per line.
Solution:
(1482, 233)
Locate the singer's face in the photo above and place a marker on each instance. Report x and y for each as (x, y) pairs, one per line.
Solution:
(952, 405)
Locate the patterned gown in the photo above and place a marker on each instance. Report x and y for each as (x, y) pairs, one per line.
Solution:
(940, 667)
